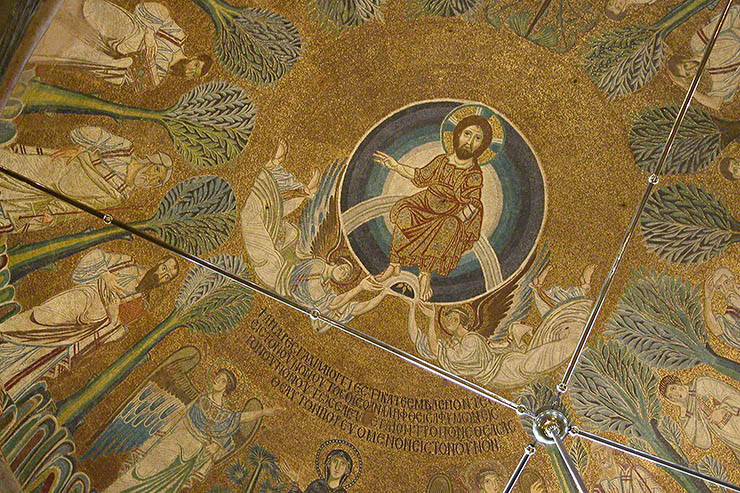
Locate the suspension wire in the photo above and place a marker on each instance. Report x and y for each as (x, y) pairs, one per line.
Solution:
(313, 313)
(652, 181)
(554, 433)
(651, 458)
(529, 451)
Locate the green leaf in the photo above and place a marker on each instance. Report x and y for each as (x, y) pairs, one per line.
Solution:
(347, 13)
(712, 467)
(671, 431)
(659, 317)
(622, 61)
(209, 302)
(257, 44)
(613, 391)
(211, 124)
(196, 215)
(579, 454)
(447, 8)
(697, 144)
(685, 223)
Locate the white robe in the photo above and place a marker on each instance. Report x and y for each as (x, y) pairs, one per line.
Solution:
(45, 338)
(471, 356)
(631, 479)
(99, 37)
(95, 177)
(723, 67)
(707, 394)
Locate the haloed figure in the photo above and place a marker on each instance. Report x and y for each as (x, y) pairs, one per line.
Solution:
(729, 168)
(617, 9)
(434, 227)
(489, 482)
(337, 468)
(531, 482)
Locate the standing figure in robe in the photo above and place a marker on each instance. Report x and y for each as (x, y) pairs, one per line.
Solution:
(101, 38)
(708, 409)
(184, 451)
(434, 227)
(100, 170)
(110, 292)
(723, 67)
(513, 363)
(618, 474)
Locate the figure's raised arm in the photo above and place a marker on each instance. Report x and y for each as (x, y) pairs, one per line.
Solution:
(389, 162)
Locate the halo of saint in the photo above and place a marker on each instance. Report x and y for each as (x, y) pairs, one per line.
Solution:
(432, 196)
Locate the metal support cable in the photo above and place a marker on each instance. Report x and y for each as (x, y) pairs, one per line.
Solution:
(652, 181)
(554, 433)
(314, 314)
(529, 451)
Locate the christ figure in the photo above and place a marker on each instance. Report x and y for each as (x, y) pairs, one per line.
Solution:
(434, 227)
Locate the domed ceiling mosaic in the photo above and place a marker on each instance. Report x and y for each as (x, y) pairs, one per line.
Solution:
(311, 189)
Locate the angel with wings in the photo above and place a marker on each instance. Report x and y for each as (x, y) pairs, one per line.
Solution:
(307, 262)
(491, 345)
(175, 432)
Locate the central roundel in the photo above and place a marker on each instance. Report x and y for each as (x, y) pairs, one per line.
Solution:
(447, 190)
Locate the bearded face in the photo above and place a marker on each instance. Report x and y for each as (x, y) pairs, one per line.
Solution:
(162, 272)
(469, 142)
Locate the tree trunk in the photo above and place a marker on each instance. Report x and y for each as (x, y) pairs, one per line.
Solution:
(723, 365)
(664, 450)
(25, 259)
(561, 471)
(74, 407)
(252, 485)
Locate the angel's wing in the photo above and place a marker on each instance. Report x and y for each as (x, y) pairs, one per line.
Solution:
(246, 431)
(510, 303)
(319, 226)
(165, 392)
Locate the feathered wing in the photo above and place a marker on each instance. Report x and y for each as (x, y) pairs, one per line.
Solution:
(510, 303)
(319, 225)
(151, 406)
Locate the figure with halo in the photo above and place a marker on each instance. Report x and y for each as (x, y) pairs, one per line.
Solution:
(176, 432)
(490, 344)
(307, 262)
(434, 227)
(338, 465)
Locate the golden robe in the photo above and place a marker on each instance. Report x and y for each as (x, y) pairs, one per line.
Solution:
(434, 227)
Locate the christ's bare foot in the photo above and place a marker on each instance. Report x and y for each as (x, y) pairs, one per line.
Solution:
(425, 288)
(393, 270)
(538, 281)
(313, 184)
(586, 277)
(280, 153)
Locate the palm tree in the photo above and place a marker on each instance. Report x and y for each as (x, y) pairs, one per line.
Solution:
(351, 13)
(257, 44)
(535, 397)
(615, 392)
(659, 318)
(261, 460)
(686, 223)
(207, 302)
(209, 125)
(196, 215)
(624, 60)
(700, 139)
(446, 8)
